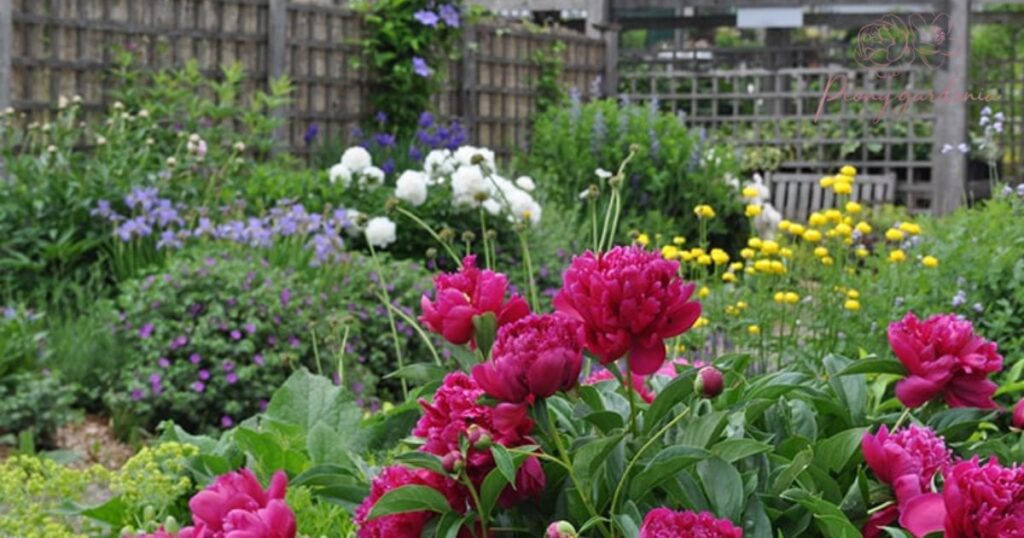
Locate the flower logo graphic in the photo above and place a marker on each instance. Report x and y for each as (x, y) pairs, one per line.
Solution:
(892, 41)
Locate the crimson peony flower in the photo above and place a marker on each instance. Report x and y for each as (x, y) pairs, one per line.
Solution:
(533, 358)
(629, 300)
(638, 383)
(665, 523)
(906, 460)
(455, 414)
(1018, 414)
(465, 294)
(944, 356)
(977, 501)
(235, 506)
(406, 524)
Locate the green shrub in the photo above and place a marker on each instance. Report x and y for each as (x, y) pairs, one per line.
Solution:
(675, 168)
(35, 404)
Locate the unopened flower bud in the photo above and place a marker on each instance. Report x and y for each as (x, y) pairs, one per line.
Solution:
(709, 382)
(477, 159)
(149, 512)
(492, 234)
(1018, 415)
(452, 461)
(478, 437)
(431, 253)
(391, 204)
(560, 529)
(446, 234)
(171, 525)
(468, 236)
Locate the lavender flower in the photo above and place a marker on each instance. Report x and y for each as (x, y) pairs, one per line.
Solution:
(258, 360)
(426, 120)
(163, 362)
(195, 358)
(146, 331)
(959, 299)
(450, 15)
(426, 17)
(199, 386)
(420, 67)
(599, 131)
(226, 422)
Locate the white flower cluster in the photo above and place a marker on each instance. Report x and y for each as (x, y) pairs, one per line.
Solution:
(468, 175)
(768, 221)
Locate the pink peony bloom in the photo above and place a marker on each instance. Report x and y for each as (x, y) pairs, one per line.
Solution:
(406, 524)
(468, 293)
(236, 504)
(671, 368)
(629, 300)
(455, 414)
(1018, 415)
(944, 356)
(638, 383)
(906, 460)
(533, 358)
(274, 521)
(665, 523)
(978, 501)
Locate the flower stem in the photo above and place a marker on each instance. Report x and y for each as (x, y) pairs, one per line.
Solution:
(902, 419)
(412, 216)
(567, 464)
(341, 356)
(488, 261)
(391, 316)
(528, 262)
(476, 502)
(419, 330)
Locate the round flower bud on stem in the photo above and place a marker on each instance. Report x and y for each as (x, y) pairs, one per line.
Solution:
(560, 529)
(709, 382)
(452, 462)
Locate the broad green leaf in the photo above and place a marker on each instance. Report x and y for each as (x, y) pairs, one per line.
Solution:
(732, 450)
(503, 460)
(723, 486)
(420, 372)
(835, 452)
(664, 466)
(411, 498)
(589, 457)
(673, 393)
(773, 385)
(831, 521)
(788, 474)
(755, 521)
(959, 423)
(485, 328)
(307, 400)
(874, 366)
(851, 389)
(606, 421)
(700, 432)
(490, 490)
(113, 512)
(421, 460)
(322, 475)
(448, 525)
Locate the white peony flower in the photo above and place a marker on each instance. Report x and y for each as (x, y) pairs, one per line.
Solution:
(380, 231)
(526, 183)
(371, 177)
(412, 187)
(469, 186)
(466, 154)
(356, 159)
(439, 164)
(768, 221)
(342, 173)
(492, 206)
(523, 207)
(354, 217)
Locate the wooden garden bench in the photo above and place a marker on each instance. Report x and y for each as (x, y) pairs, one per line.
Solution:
(796, 196)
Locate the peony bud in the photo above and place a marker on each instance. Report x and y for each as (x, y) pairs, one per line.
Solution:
(709, 382)
(1018, 415)
(560, 529)
(171, 525)
(478, 437)
(452, 461)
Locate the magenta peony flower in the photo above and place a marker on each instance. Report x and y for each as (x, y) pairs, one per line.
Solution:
(468, 293)
(236, 506)
(533, 358)
(944, 356)
(978, 501)
(407, 524)
(629, 300)
(665, 523)
(1018, 414)
(638, 383)
(455, 414)
(906, 460)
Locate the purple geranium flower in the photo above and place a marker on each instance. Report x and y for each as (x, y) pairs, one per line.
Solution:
(146, 331)
(286, 297)
(258, 359)
(163, 362)
(450, 15)
(136, 394)
(204, 375)
(226, 421)
(198, 386)
(426, 17)
(231, 378)
(420, 67)
(236, 334)
(194, 358)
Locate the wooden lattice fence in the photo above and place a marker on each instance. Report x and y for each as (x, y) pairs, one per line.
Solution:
(67, 47)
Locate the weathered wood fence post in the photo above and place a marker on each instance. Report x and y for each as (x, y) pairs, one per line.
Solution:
(949, 171)
(467, 80)
(6, 44)
(277, 34)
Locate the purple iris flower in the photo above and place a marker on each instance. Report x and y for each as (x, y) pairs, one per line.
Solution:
(311, 133)
(450, 15)
(381, 117)
(420, 67)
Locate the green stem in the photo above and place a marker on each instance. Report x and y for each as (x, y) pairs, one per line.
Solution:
(476, 502)
(411, 216)
(903, 417)
(593, 224)
(391, 317)
(636, 457)
(488, 262)
(316, 351)
(419, 330)
(528, 262)
(341, 357)
(566, 463)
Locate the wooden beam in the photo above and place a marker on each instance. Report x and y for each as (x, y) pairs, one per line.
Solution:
(619, 5)
(277, 35)
(6, 44)
(834, 20)
(949, 171)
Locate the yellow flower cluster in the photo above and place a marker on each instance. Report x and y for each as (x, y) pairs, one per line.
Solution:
(155, 476)
(704, 211)
(786, 297)
(841, 183)
(31, 491)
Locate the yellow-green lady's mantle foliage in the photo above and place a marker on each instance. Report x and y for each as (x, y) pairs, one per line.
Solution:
(31, 488)
(40, 498)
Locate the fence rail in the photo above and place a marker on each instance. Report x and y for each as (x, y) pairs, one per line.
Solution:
(67, 47)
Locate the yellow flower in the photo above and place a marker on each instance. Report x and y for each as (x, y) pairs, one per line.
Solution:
(704, 259)
(769, 247)
(812, 236)
(754, 242)
(643, 239)
(749, 192)
(696, 252)
(843, 187)
(792, 297)
(817, 219)
(821, 252)
(861, 252)
(753, 330)
(853, 294)
(680, 348)
(897, 256)
(863, 227)
(778, 268)
(784, 224)
(729, 277)
(669, 252)
(843, 229)
(797, 229)
(779, 297)
(763, 266)
(703, 292)
(848, 171)
(741, 305)
(910, 228)
(686, 256)
(678, 240)
(747, 253)
(892, 234)
(704, 211)
(735, 266)
(786, 252)
(827, 182)
(833, 215)
(852, 305)
(719, 256)
(701, 321)
(731, 310)
(853, 207)
(749, 270)
(930, 261)
(753, 210)
(827, 261)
